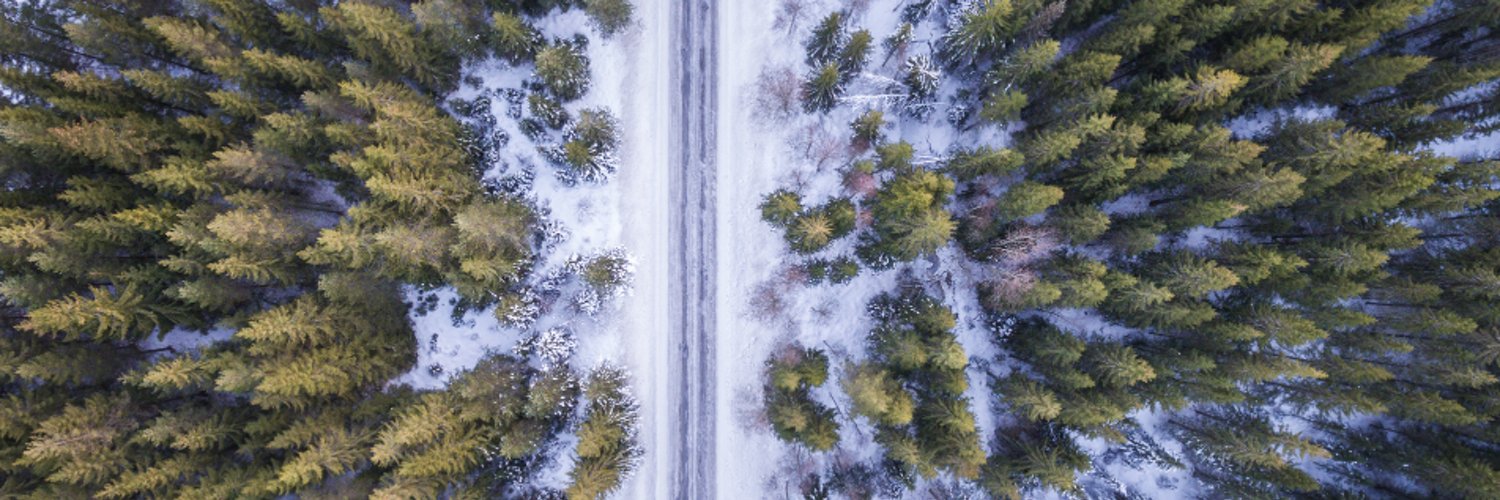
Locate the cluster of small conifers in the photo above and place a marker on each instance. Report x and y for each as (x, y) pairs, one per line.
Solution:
(277, 169)
(1310, 301)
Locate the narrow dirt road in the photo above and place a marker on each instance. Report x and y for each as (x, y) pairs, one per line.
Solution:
(693, 215)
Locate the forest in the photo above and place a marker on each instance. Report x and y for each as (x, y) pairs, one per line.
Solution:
(281, 171)
(1100, 248)
(1208, 236)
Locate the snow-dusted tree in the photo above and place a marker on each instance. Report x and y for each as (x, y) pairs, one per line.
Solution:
(920, 79)
(590, 148)
(978, 29)
(821, 90)
(554, 346)
(909, 218)
(605, 276)
(828, 38)
(607, 447)
(564, 70)
(610, 17)
(512, 38)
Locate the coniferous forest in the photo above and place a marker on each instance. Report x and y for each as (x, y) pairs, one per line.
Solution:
(279, 170)
(1254, 242)
(1219, 223)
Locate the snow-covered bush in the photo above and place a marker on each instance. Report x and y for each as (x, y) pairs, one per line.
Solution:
(920, 77)
(553, 346)
(518, 309)
(605, 277)
(778, 94)
(588, 152)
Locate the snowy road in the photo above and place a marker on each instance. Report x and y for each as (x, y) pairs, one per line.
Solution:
(692, 294)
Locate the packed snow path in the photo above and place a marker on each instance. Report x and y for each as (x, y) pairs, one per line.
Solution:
(692, 233)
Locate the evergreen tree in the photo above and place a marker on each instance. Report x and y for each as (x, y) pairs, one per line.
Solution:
(1024, 199)
(563, 70)
(609, 16)
(821, 90)
(607, 448)
(794, 415)
(268, 169)
(909, 218)
(826, 41)
(511, 37)
(851, 58)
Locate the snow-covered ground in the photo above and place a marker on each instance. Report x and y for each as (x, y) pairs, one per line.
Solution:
(749, 156)
(634, 73)
(763, 303)
(629, 211)
(588, 218)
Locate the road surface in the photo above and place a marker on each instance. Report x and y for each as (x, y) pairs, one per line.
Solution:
(692, 293)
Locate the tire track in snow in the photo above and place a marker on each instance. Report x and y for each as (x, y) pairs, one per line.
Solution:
(692, 294)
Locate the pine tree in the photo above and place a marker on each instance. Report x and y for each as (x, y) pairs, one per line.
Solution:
(1045, 148)
(876, 395)
(302, 73)
(1208, 89)
(1187, 275)
(827, 39)
(821, 91)
(851, 58)
(511, 37)
(191, 39)
(780, 208)
(1024, 66)
(867, 129)
(794, 415)
(333, 453)
(85, 444)
(1025, 199)
(809, 233)
(1291, 71)
(970, 164)
(563, 70)
(1004, 107)
(609, 16)
(492, 240)
(385, 37)
(1079, 224)
(1029, 399)
(1079, 281)
(909, 220)
(981, 29)
(589, 150)
(101, 316)
(1115, 365)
